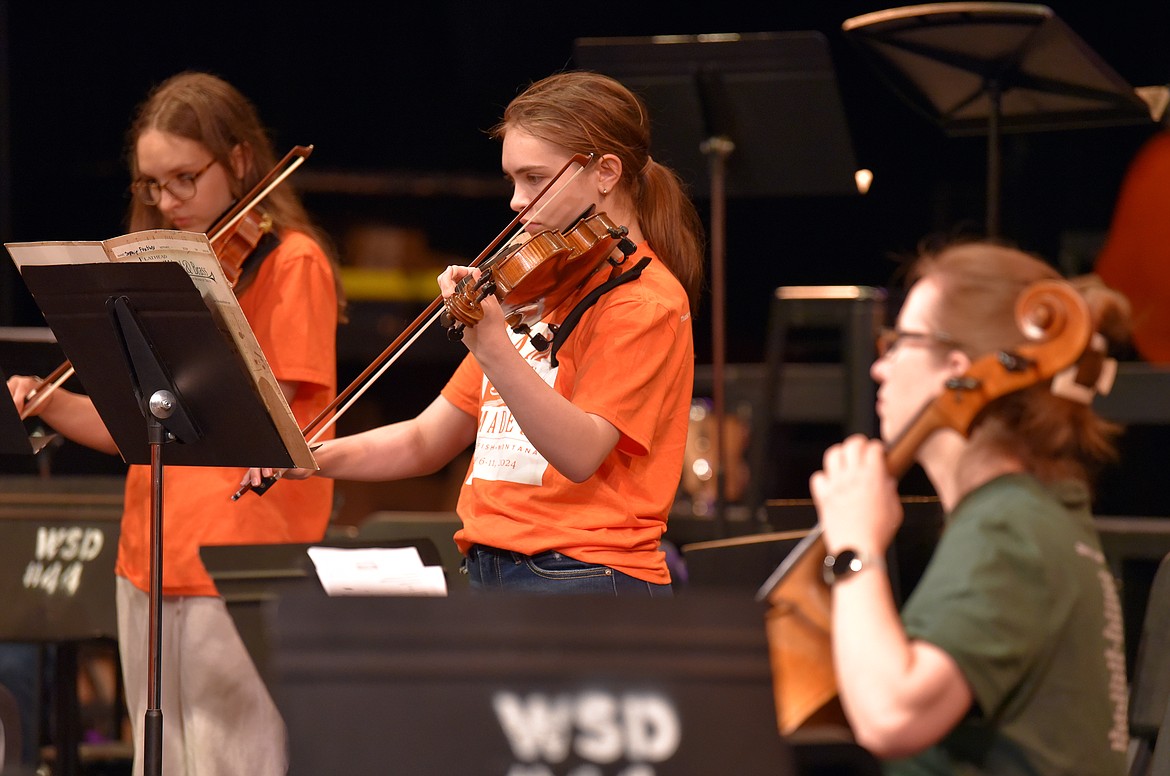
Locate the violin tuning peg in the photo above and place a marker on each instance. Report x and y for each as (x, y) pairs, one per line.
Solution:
(485, 291)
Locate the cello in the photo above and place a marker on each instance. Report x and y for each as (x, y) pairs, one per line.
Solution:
(1057, 325)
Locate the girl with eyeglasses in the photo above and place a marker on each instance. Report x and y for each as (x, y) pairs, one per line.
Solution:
(195, 147)
(1007, 656)
(579, 420)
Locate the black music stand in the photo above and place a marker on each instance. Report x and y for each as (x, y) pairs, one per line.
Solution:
(73, 604)
(160, 371)
(251, 577)
(989, 68)
(14, 437)
(15, 440)
(722, 109)
(672, 687)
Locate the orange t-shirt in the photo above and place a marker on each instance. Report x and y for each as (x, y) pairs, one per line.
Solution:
(292, 308)
(1135, 259)
(630, 360)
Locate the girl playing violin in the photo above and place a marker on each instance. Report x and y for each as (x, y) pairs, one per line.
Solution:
(1007, 656)
(577, 457)
(195, 147)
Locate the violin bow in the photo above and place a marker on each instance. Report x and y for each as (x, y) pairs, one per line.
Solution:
(346, 398)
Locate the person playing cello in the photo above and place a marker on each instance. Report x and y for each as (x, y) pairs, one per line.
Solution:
(1007, 657)
(578, 454)
(195, 147)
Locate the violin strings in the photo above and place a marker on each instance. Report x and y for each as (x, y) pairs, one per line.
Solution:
(545, 200)
(558, 192)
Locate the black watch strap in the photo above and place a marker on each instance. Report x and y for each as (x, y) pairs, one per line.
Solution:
(846, 563)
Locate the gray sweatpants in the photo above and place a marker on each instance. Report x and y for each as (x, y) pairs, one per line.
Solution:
(218, 718)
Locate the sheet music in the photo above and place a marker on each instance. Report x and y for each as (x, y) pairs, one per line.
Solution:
(376, 571)
(193, 251)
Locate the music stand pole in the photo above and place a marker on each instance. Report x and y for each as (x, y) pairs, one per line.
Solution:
(705, 94)
(156, 393)
(182, 374)
(995, 98)
(717, 149)
(161, 405)
(995, 67)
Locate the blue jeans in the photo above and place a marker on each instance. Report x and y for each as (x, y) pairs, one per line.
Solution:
(491, 569)
(20, 673)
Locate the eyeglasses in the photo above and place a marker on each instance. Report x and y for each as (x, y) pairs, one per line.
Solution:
(181, 187)
(888, 339)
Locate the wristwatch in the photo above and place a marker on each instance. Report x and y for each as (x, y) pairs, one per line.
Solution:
(846, 563)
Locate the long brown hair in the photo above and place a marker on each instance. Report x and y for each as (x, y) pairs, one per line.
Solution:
(980, 281)
(587, 112)
(210, 111)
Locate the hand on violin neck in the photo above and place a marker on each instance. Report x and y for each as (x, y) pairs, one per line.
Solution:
(450, 278)
(489, 336)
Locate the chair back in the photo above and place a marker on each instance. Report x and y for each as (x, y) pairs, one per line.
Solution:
(1149, 699)
(10, 734)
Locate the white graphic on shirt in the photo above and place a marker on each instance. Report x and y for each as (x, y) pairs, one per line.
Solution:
(502, 451)
(1114, 635)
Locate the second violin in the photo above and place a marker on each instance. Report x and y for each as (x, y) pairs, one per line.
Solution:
(236, 235)
(234, 238)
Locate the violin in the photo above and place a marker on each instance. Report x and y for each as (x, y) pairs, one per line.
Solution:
(492, 253)
(242, 227)
(237, 244)
(537, 274)
(1056, 321)
(233, 238)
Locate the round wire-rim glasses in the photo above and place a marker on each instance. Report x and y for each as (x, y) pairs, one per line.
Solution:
(890, 338)
(182, 187)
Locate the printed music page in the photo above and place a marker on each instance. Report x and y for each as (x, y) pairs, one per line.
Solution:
(193, 251)
(376, 571)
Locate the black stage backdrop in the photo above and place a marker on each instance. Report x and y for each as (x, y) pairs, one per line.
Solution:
(398, 104)
(411, 95)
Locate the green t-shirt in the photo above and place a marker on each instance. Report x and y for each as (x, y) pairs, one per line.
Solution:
(1019, 594)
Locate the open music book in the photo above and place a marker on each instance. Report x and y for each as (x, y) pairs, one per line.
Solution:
(191, 250)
